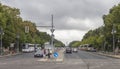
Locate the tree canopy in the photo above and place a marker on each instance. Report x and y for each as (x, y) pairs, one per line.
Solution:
(13, 25)
(103, 35)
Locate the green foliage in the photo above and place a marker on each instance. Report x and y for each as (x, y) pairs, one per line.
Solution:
(110, 20)
(74, 44)
(12, 25)
(58, 43)
(102, 35)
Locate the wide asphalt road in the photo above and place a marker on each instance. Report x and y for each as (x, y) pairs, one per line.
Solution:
(80, 60)
(93, 60)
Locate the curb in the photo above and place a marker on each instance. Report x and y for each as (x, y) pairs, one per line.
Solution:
(112, 56)
(10, 55)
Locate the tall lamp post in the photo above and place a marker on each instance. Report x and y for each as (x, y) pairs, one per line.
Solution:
(113, 33)
(1, 45)
(118, 40)
(17, 36)
(102, 48)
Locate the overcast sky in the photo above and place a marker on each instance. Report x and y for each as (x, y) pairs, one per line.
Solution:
(72, 18)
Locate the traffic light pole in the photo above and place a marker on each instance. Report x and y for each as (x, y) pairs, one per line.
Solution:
(52, 35)
(1, 47)
(52, 31)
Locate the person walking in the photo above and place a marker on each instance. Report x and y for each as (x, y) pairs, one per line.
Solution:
(49, 53)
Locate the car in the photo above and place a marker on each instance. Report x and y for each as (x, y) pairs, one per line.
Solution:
(39, 53)
(68, 50)
(25, 50)
(75, 50)
(93, 50)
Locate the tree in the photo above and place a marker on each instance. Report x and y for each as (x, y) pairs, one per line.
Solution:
(14, 25)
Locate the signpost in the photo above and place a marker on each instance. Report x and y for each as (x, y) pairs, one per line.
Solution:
(26, 29)
(55, 55)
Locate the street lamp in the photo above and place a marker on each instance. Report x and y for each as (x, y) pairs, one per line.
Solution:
(102, 48)
(1, 47)
(17, 36)
(118, 40)
(113, 33)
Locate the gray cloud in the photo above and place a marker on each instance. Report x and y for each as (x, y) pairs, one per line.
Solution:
(81, 15)
(39, 11)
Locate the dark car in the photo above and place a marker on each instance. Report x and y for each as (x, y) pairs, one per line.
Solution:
(93, 50)
(39, 53)
(68, 50)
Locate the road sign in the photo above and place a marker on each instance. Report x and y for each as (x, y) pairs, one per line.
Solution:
(26, 29)
(52, 30)
(55, 54)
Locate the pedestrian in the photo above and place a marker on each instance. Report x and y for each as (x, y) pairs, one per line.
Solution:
(44, 52)
(49, 53)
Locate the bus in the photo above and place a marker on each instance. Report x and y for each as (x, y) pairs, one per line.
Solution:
(28, 47)
(87, 47)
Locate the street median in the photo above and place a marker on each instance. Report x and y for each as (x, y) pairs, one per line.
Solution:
(60, 57)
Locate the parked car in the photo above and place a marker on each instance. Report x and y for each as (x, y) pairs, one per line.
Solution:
(39, 53)
(75, 50)
(68, 50)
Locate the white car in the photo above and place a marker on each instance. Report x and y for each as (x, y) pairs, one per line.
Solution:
(39, 53)
(75, 50)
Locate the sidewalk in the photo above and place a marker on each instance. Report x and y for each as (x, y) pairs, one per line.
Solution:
(109, 55)
(59, 59)
(9, 55)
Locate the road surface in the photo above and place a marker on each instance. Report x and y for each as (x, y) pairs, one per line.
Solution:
(80, 60)
(93, 60)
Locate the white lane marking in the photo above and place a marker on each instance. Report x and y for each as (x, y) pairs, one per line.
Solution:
(3, 63)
